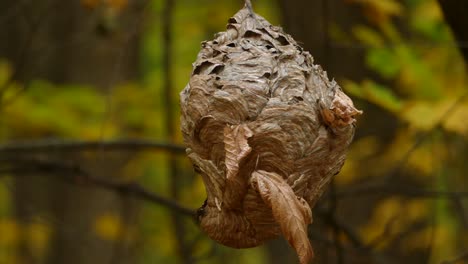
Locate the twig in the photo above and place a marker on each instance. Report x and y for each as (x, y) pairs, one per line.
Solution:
(458, 204)
(376, 257)
(76, 175)
(432, 237)
(34, 25)
(452, 9)
(47, 145)
(341, 225)
(426, 134)
(384, 235)
(459, 259)
(383, 182)
(332, 216)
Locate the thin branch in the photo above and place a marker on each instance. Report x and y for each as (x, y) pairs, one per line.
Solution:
(424, 136)
(458, 204)
(432, 237)
(379, 239)
(76, 175)
(332, 217)
(48, 145)
(459, 259)
(382, 183)
(35, 24)
(437, 125)
(340, 225)
(453, 10)
(376, 257)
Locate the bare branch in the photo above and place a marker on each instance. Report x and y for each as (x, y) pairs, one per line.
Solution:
(458, 204)
(423, 137)
(452, 10)
(459, 259)
(76, 175)
(35, 146)
(383, 184)
(332, 216)
(387, 231)
(340, 225)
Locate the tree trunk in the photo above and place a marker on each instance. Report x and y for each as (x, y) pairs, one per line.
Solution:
(63, 42)
(455, 14)
(310, 22)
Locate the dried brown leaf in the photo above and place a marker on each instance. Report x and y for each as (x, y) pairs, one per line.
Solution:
(291, 212)
(266, 129)
(236, 147)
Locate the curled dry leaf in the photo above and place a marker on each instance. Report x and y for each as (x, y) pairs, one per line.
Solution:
(237, 148)
(266, 129)
(291, 212)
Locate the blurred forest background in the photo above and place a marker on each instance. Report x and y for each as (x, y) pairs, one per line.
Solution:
(91, 164)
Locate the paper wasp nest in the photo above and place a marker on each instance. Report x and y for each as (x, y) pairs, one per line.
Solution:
(266, 130)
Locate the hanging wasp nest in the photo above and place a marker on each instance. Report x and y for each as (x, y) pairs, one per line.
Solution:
(266, 129)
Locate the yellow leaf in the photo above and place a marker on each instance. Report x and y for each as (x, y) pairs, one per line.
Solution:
(367, 36)
(363, 149)
(349, 172)
(457, 120)
(384, 215)
(430, 11)
(422, 115)
(164, 241)
(426, 159)
(393, 216)
(445, 243)
(375, 93)
(380, 10)
(38, 237)
(108, 226)
(117, 4)
(417, 240)
(5, 72)
(9, 232)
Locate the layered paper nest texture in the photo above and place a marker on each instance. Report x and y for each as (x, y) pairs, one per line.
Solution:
(258, 117)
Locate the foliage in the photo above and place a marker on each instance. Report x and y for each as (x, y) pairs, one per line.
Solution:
(42, 109)
(421, 83)
(417, 80)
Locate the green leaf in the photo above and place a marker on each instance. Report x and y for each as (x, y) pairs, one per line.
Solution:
(387, 7)
(5, 72)
(384, 61)
(375, 93)
(367, 36)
